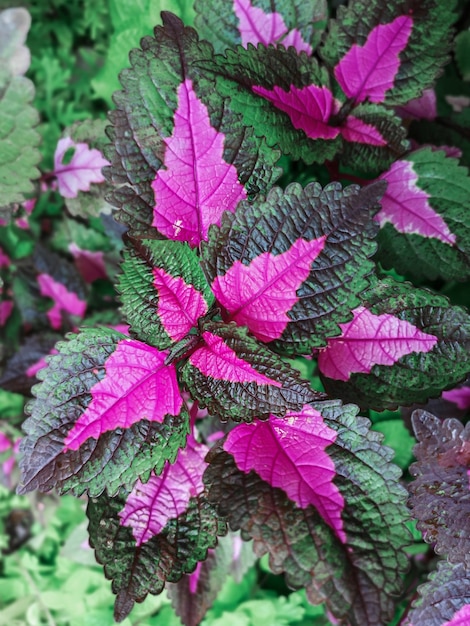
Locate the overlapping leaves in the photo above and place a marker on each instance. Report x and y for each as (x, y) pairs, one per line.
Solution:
(144, 541)
(291, 267)
(358, 578)
(409, 345)
(287, 22)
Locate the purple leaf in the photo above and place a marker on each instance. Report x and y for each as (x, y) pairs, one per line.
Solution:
(369, 340)
(20, 370)
(4, 259)
(197, 185)
(406, 206)
(137, 386)
(290, 453)
(150, 506)
(440, 493)
(179, 305)
(368, 71)
(444, 600)
(83, 169)
(260, 294)
(459, 396)
(90, 264)
(64, 300)
(256, 26)
(422, 108)
(6, 307)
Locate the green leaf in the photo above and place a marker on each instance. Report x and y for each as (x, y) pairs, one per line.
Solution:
(163, 291)
(425, 53)
(462, 54)
(417, 376)
(18, 138)
(445, 252)
(145, 118)
(357, 579)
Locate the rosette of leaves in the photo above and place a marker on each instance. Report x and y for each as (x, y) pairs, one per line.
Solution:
(223, 276)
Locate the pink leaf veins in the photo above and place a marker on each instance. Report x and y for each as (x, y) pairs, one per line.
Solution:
(368, 71)
(256, 27)
(83, 169)
(217, 360)
(260, 294)
(406, 206)
(290, 454)
(197, 185)
(64, 300)
(151, 506)
(179, 305)
(136, 386)
(369, 340)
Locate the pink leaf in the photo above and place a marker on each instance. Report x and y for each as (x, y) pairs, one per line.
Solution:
(39, 365)
(423, 108)
(64, 300)
(406, 206)
(368, 71)
(256, 27)
(6, 307)
(197, 185)
(290, 454)
(151, 506)
(90, 264)
(219, 361)
(179, 305)
(83, 169)
(309, 108)
(459, 396)
(136, 386)
(461, 618)
(4, 259)
(369, 340)
(259, 295)
(357, 131)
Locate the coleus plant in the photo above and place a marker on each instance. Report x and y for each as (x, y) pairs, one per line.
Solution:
(197, 420)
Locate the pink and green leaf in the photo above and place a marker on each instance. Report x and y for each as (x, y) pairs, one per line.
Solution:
(409, 345)
(163, 291)
(138, 568)
(356, 578)
(108, 412)
(287, 22)
(443, 458)
(182, 162)
(83, 169)
(376, 50)
(423, 217)
(445, 599)
(235, 377)
(294, 295)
